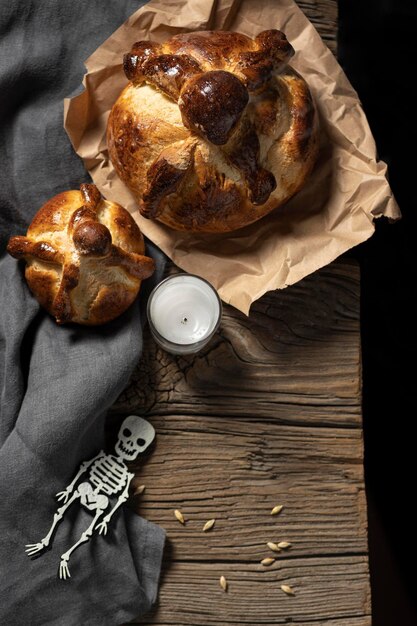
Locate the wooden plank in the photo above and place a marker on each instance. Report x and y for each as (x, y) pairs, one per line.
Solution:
(269, 413)
(236, 471)
(193, 595)
(295, 360)
(323, 15)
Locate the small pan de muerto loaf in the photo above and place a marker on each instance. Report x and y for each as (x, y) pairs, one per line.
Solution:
(214, 130)
(84, 257)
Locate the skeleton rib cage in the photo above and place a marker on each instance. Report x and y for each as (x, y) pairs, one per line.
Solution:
(108, 475)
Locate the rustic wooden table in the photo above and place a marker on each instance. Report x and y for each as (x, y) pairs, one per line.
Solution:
(269, 413)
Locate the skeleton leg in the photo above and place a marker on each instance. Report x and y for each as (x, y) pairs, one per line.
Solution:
(33, 548)
(63, 566)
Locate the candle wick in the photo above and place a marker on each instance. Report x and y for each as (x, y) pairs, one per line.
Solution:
(184, 320)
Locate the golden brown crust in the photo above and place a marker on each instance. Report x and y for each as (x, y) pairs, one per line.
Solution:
(84, 257)
(92, 238)
(21, 247)
(215, 129)
(91, 196)
(43, 284)
(62, 306)
(162, 179)
(212, 103)
(243, 152)
(251, 60)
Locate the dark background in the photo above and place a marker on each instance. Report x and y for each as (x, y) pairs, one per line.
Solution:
(377, 43)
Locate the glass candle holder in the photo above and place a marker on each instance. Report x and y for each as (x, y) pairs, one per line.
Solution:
(184, 312)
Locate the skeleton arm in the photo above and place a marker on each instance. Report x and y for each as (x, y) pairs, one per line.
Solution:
(64, 495)
(102, 526)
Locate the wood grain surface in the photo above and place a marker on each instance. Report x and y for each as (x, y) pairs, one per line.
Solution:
(268, 413)
(323, 15)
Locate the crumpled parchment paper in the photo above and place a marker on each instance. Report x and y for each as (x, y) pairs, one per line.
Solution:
(332, 213)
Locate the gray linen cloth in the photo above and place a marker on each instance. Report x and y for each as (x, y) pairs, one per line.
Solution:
(56, 383)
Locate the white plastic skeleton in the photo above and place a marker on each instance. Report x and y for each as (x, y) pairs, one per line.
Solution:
(108, 475)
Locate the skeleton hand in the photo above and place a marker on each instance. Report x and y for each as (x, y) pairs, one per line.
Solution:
(63, 569)
(64, 495)
(34, 548)
(102, 526)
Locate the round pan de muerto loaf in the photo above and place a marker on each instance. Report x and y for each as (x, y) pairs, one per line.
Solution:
(84, 257)
(214, 129)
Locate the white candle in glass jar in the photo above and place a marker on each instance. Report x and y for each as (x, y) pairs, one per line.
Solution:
(184, 312)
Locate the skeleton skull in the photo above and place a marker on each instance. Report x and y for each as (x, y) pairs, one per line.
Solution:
(135, 435)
